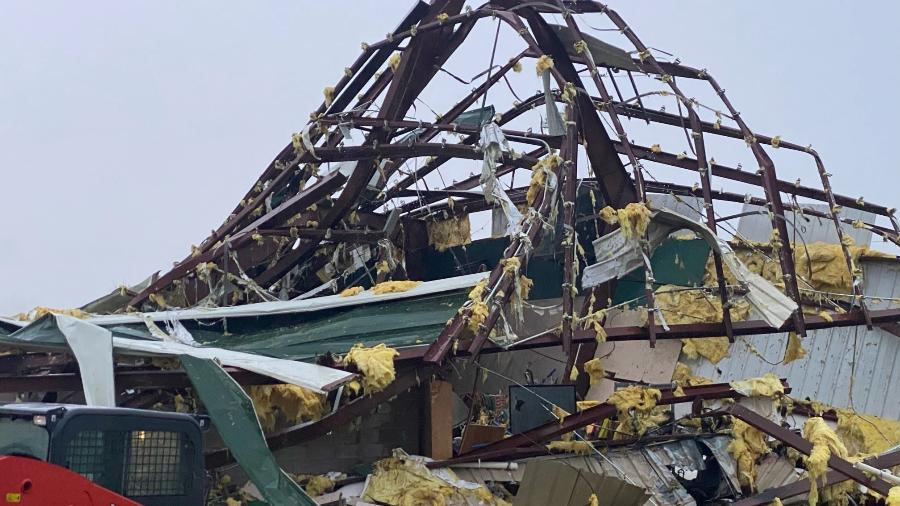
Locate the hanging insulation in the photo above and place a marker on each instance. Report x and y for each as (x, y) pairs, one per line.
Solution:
(820, 266)
(376, 365)
(394, 61)
(544, 63)
(747, 446)
(329, 95)
(684, 377)
(767, 386)
(295, 403)
(633, 219)
(446, 234)
(825, 445)
(594, 368)
(478, 310)
(595, 320)
(696, 306)
(794, 349)
(573, 374)
(635, 410)
(540, 172)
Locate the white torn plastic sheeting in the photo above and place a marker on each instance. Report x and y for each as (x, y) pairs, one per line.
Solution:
(310, 376)
(93, 349)
(91, 345)
(555, 124)
(493, 143)
(296, 306)
(307, 141)
(618, 256)
(175, 331)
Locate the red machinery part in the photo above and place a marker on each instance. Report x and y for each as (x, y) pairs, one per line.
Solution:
(31, 482)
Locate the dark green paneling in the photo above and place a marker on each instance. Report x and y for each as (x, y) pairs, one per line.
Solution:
(303, 336)
(675, 262)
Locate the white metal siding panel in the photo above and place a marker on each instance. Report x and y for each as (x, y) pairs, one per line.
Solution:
(834, 356)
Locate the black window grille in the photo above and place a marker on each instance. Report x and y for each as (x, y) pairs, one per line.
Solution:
(133, 463)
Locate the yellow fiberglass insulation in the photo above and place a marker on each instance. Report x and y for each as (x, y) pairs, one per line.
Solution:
(794, 349)
(825, 444)
(747, 446)
(635, 410)
(376, 365)
(579, 447)
(539, 173)
(594, 368)
(316, 485)
(633, 219)
(820, 266)
(394, 286)
(866, 434)
(41, 311)
(543, 64)
(329, 95)
(595, 321)
(695, 306)
(767, 386)
(400, 481)
(353, 290)
(583, 405)
(295, 403)
(446, 234)
(511, 264)
(683, 376)
(593, 501)
(523, 287)
(893, 498)
(394, 61)
(478, 310)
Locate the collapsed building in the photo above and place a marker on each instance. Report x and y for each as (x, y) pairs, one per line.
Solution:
(511, 300)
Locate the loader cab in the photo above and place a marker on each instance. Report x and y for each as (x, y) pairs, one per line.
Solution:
(152, 457)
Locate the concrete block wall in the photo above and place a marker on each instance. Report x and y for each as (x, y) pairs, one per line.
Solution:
(395, 424)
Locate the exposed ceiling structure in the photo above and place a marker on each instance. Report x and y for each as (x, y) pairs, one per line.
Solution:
(369, 227)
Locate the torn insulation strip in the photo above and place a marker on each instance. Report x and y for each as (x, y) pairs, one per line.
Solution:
(446, 234)
(376, 365)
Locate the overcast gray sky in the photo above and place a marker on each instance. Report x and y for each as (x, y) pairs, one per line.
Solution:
(130, 129)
